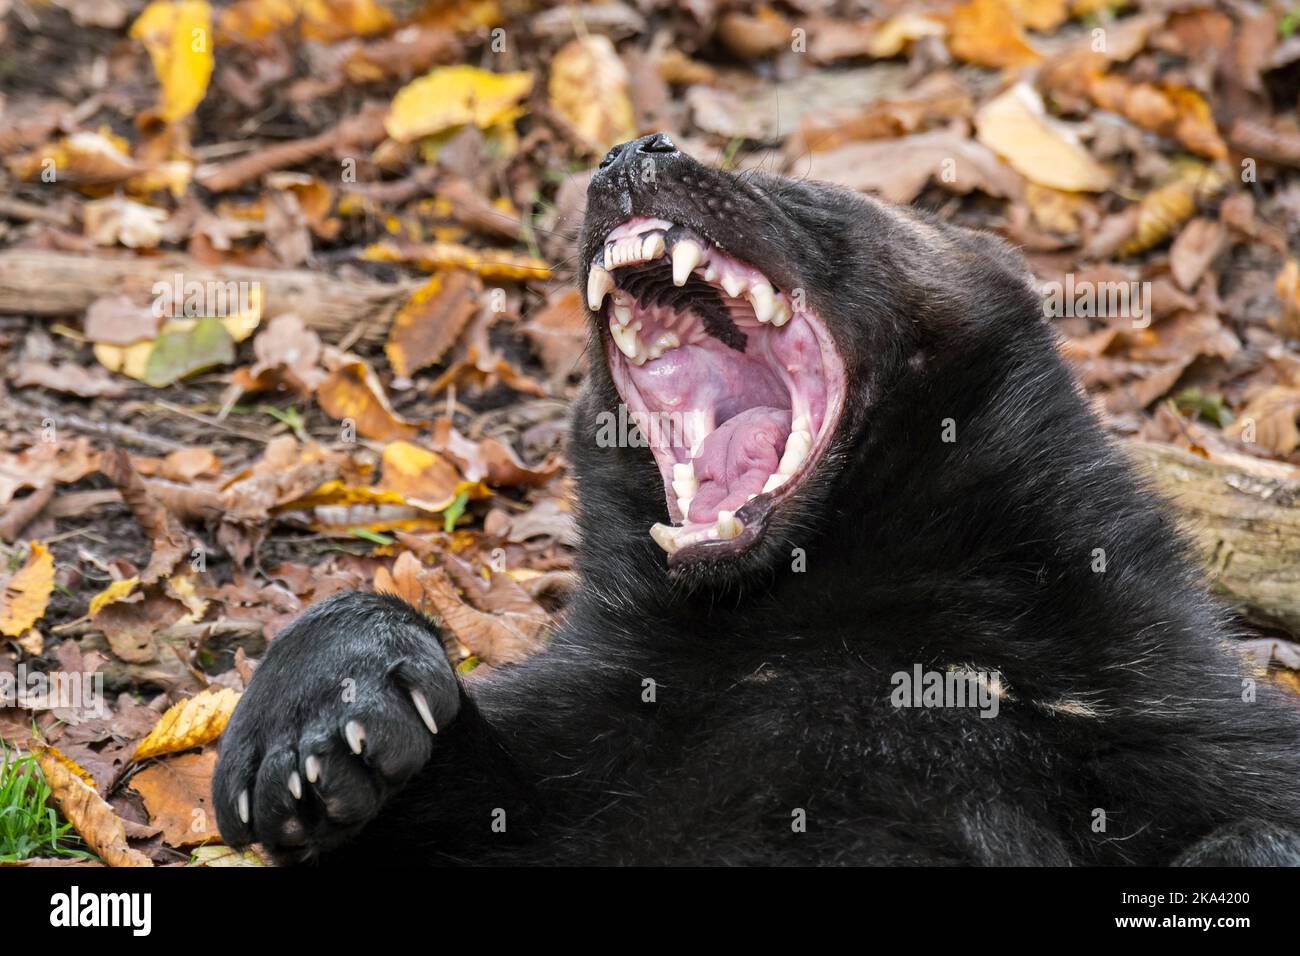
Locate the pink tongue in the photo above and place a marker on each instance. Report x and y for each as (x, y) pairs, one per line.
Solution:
(736, 458)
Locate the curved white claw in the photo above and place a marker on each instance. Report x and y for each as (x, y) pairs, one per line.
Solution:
(295, 785)
(312, 766)
(422, 708)
(355, 732)
(241, 803)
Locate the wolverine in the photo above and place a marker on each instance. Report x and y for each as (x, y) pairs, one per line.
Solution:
(875, 464)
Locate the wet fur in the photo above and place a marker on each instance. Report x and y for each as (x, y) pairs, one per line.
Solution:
(772, 686)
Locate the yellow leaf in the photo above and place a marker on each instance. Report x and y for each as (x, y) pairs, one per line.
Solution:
(985, 32)
(589, 87)
(112, 594)
(1165, 209)
(1016, 127)
(26, 595)
(178, 36)
(898, 31)
(452, 96)
(94, 819)
(190, 723)
(353, 392)
(422, 477)
(432, 256)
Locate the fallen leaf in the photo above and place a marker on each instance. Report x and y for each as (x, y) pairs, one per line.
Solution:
(985, 32)
(169, 539)
(188, 724)
(67, 377)
(450, 96)
(1015, 125)
(288, 355)
(178, 36)
(117, 591)
(589, 87)
(1165, 209)
(26, 594)
(178, 795)
(429, 324)
(1271, 415)
(433, 256)
(1196, 247)
(419, 475)
(354, 393)
(102, 829)
(184, 351)
(119, 220)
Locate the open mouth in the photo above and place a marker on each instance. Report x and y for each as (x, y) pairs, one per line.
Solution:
(735, 385)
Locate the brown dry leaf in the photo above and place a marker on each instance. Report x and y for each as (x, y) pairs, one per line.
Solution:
(1272, 414)
(1041, 15)
(130, 626)
(68, 377)
(434, 256)
(354, 392)
(985, 32)
(431, 322)
(422, 477)
(189, 723)
(1168, 109)
(491, 459)
(80, 159)
(895, 34)
(937, 98)
(1015, 125)
(120, 320)
(753, 36)
(493, 638)
(178, 795)
(589, 87)
(288, 355)
(559, 333)
(1288, 291)
(1195, 248)
(187, 464)
(900, 168)
(102, 829)
(26, 594)
(170, 541)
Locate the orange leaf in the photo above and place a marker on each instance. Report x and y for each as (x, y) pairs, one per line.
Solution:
(27, 593)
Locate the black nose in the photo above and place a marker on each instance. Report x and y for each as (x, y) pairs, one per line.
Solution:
(626, 152)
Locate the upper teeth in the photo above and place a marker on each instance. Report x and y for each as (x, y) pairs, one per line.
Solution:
(599, 284)
(632, 249)
(686, 256)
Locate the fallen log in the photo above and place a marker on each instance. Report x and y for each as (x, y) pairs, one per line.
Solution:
(40, 282)
(1242, 516)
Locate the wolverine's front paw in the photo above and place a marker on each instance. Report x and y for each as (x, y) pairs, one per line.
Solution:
(342, 712)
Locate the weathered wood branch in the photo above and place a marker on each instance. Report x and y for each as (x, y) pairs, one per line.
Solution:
(1243, 518)
(39, 282)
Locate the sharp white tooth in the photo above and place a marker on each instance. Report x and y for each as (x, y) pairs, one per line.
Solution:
(609, 255)
(627, 341)
(780, 313)
(685, 487)
(684, 506)
(664, 536)
(710, 274)
(652, 247)
(727, 526)
(295, 785)
(355, 733)
(686, 256)
(774, 481)
(623, 314)
(733, 285)
(796, 450)
(762, 298)
(599, 284)
(683, 470)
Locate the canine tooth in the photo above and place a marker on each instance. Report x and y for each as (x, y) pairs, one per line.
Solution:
(422, 708)
(626, 339)
(733, 285)
(728, 526)
(355, 734)
(796, 450)
(774, 481)
(653, 246)
(599, 284)
(664, 536)
(763, 300)
(686, 256)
